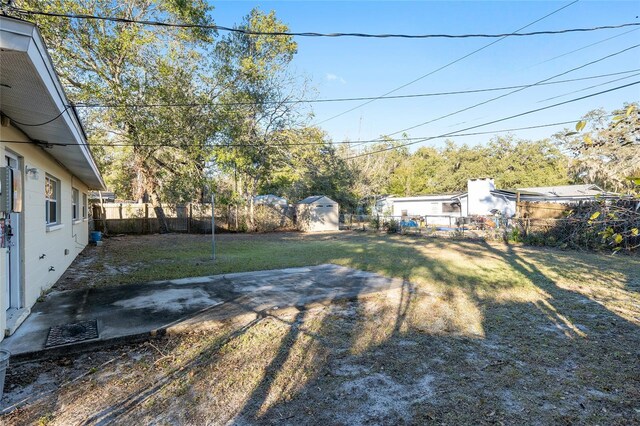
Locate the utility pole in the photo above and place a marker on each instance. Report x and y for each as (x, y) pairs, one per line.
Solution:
(213, 226)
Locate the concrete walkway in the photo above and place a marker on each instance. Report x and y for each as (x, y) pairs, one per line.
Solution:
(139, 310)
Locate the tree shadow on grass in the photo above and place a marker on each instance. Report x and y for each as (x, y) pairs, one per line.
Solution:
(511, 326)
(440, 345)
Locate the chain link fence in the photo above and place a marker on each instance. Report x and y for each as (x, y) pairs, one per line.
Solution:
(494, 227)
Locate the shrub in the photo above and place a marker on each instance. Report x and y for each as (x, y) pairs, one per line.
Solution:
(393, 226)
(599, 225)
(375, 222)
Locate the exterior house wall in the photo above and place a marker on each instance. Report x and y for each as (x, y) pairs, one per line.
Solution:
(482, 201)
(481, 198)
(506, 205)
(383, 206)
(3, 277)
(431, 207)
(59, 244)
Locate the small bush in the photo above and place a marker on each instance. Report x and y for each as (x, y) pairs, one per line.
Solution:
(393, 226)
(516, 236)
(375, 222)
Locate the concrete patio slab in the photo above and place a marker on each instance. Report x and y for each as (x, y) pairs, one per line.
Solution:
(140, 310)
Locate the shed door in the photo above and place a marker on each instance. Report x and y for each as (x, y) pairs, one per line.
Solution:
(324, 217)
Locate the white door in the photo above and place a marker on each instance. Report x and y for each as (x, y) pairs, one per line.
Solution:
(12, 241)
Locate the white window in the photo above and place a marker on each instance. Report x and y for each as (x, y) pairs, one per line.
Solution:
(75, 195)
(448, 207)
(52, 200)
(84, 206)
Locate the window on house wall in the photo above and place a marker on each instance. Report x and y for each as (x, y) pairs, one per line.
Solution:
(84, 206)
(451, 207)
(52, 200)
(75, 201)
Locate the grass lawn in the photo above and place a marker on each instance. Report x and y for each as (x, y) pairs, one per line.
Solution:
(480, 333)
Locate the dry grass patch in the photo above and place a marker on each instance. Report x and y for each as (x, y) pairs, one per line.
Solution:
(479, 334)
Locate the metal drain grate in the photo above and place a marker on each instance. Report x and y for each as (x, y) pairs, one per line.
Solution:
(72, 333)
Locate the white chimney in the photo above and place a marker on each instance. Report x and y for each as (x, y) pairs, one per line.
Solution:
(480, 201)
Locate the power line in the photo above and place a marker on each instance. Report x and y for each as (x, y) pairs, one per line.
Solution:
(233, 145)
(39, 124)
(516, 90)
(495, 121)
(449, 93)
(455, 61)
(590, 87)
(312, 34)
(582, 48)
(416, 95)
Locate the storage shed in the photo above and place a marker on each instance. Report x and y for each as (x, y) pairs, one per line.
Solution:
(317, 213)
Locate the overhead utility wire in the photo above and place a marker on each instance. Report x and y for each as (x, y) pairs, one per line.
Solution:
(416, 95)
(455, 61)
(495, 121)
(233, 145)
(42, 123)
(311, 34)
(590, 87)
(582, 48)
(193, 105)
(515, 91)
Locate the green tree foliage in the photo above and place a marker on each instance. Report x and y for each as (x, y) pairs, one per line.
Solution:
(605, 149)
(313, 169)
(260, 90)
(512, 163)
(122, 64)
(374, 166)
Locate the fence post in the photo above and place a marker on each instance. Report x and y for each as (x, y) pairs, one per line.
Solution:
(190, 217)
(147, 225)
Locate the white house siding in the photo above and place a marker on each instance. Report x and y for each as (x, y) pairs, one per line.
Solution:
(431, 208)
(37, 239)
(482, 201)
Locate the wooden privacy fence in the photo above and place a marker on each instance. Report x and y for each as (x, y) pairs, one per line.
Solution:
(194, 218)
(535, 210)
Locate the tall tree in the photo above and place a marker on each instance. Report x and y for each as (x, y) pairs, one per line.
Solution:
(309, 165)
(605, 149)
(123, 64)
(263, 93)
(374, 166)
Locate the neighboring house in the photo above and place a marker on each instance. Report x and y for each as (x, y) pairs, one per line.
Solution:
(317, 213)
(565, 193)
(382, 205)
(47, 169)
(437, 208)
(479, 199)
(102, 197)
(483, 199)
